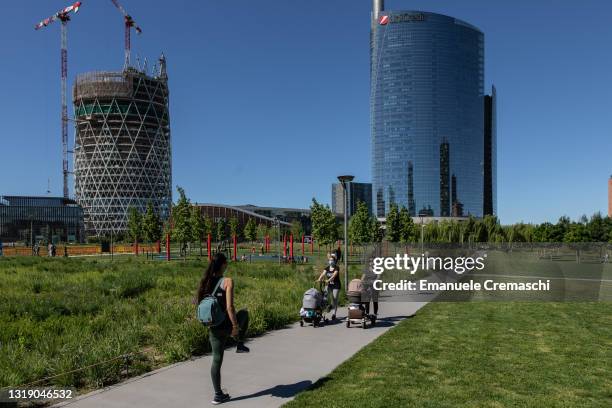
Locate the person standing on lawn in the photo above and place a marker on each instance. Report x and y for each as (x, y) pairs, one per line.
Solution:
(235, 324)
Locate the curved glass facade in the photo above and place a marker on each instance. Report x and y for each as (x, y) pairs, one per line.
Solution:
(427, 114)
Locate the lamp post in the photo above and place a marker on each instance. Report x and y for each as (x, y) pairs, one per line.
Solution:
(422, 235)
(344, 180)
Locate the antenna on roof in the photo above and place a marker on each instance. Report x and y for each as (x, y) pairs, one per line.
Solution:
(377, 7)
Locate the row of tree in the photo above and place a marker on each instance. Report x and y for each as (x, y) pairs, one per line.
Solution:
(400, 227)
(189, 225)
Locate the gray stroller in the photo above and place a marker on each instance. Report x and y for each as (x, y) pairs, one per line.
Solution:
(314, 307)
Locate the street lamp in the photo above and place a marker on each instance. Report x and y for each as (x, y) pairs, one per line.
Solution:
(422, 235)
(344, 180)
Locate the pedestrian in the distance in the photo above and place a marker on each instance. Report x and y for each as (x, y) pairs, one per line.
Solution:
(235, 324)
(338, 254)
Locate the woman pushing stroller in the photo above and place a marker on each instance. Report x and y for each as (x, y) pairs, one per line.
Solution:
(331, 275)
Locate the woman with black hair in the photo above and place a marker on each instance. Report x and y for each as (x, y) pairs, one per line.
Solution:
(235, 324)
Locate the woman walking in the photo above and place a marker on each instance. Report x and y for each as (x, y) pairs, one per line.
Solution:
(235, 324)
(331, 274)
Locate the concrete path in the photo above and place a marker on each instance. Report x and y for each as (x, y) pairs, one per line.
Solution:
(281, 364)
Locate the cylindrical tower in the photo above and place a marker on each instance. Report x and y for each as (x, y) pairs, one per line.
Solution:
(122, 147)
(427, 116)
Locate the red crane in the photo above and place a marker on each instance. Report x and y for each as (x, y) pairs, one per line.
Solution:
(129, 23)
(63, 16)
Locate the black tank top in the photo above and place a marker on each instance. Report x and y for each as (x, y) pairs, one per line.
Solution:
(334, 284)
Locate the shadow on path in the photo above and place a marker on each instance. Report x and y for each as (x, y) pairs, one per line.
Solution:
(281, 391)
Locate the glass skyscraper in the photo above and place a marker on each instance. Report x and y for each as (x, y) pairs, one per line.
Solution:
(429, 114)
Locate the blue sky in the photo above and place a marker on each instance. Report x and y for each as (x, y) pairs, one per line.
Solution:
(269, 100)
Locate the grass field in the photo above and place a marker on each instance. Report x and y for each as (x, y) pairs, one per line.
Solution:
(480, 355)
(58, 315)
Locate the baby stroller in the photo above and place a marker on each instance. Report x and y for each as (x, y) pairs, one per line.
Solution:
(356, 309)
(314, 305)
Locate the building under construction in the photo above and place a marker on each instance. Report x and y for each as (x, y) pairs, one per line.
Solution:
(122, 146)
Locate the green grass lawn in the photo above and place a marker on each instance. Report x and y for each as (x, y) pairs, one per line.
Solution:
(58, 315)
(480, 355)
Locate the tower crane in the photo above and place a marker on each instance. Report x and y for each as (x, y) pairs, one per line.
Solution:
(129, 23)
(64, 17)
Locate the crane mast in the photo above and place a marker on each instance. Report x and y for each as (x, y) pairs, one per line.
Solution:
(64, 17)
(128, 22)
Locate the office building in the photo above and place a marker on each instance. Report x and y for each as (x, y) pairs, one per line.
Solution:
(356, 192)
(433, 128)
(490, 154)
(33, 219)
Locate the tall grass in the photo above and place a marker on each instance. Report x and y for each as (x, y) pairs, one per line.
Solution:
(60, 315)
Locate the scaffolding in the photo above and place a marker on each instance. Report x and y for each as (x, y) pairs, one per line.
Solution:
(122, 146)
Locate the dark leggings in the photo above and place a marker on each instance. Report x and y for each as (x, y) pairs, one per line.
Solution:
(218, 337)
(367, 307)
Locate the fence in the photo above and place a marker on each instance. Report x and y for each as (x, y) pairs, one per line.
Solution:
(80, 250)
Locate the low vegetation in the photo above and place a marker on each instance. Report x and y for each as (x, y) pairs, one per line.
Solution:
(60, 315)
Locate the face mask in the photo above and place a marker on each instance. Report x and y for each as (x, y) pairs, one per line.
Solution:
(331, 262)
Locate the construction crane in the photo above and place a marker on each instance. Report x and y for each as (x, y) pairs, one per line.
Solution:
(63, 16)
(129, 23)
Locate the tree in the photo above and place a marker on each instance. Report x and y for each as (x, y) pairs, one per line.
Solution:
(360, 228)
(197, 225)
(576, 232)
(376, 230)
(250, 230)
(220, 233)
(543, 232)
(393, 224)
(324, 224)
(233, 226)
(209, 225)
(596, 228)
(559, 230)
(167, 228)
(151, 225)
(134, 224)
(480, 232)
(296, 229)
(262, 231)
(406, 226)
(181, 213)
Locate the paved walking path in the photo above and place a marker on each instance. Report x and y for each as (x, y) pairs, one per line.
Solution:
(281, 364)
